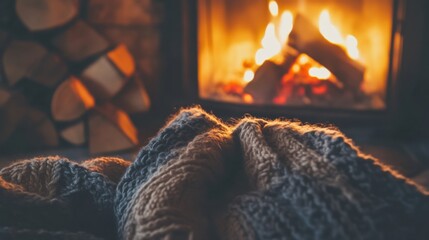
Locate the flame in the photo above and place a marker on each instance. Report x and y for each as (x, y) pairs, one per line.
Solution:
(333, 35)
(286, 24)
(352, 47)
(319, 72)
(274, 8)
(248, 75)
(328, 30)
(270, 45)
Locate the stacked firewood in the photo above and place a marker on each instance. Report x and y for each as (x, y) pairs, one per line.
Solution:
(70, 85)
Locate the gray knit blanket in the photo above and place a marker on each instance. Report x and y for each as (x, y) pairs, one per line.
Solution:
(202, 179)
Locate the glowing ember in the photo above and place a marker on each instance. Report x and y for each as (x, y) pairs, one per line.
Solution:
(248, 75)
(247, 98)
(303, 59)
(296, 68)
(319, 72)
(274, 8)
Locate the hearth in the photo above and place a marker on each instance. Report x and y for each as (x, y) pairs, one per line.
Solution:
(307, 59)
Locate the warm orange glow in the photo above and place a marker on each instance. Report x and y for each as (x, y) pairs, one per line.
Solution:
(333, 35)
(247, 98)
(293, 39)
(352, 47)
(328, 30)
(319, 72)
(296, 68)
(274, 8)
(270, 45)
(123, 60)
(285, 27)
(248, 75)
(80, 90)
(303, 59)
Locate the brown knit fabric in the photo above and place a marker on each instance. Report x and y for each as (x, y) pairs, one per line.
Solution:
(201, 179)
(54, 198)
(173, 203)
(111, 167)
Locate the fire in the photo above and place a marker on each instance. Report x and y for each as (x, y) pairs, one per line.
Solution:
(276, 37)
(274, 8)
(270, 45)
(333, 35)
(248, 75)
(272, 42)
(352, 47)
(286, 24)
(319, 72)
(328, 30)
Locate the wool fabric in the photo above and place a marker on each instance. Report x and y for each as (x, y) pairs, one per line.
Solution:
(52, 197)
(301, 182)
(312, 183)
(199, 178)
(162, 194)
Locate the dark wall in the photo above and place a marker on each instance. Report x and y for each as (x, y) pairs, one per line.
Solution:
(411, 96)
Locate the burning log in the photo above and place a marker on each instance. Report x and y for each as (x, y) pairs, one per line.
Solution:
(71, 100)
(25, 59)
(267, 78)
(38, 15)
(110, 129)
(306, 38)
(106, 76)
(79, 42)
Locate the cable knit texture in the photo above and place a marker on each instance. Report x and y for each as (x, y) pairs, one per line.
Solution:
(312, 183)
(52, 198)
(199, 178)
(162, 193)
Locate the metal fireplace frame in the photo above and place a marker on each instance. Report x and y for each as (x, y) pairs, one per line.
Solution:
(180, 81)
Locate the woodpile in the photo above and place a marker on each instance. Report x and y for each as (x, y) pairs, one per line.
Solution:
(70, 86)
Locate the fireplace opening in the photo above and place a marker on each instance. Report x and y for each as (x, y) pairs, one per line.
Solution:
(324, 54)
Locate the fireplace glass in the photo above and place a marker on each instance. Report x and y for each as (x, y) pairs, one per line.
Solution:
(315, 53)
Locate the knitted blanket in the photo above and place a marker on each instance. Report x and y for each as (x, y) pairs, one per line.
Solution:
(202, 179)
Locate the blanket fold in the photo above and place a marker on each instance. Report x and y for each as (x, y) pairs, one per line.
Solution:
(200, 178)
(51, 197)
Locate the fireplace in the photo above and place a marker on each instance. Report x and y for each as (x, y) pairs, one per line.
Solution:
(264, 53)
(307, 59)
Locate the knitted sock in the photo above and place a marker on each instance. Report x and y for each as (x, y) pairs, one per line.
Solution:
(161, 195)
(55, 194)
(301, 194)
